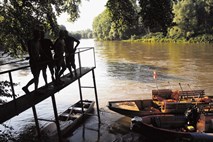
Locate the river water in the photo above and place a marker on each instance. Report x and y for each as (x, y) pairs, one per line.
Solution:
(124, 70)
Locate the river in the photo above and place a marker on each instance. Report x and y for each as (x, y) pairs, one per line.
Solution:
(124, 70)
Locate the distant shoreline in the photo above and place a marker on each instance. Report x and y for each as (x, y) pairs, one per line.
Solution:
(158, 37)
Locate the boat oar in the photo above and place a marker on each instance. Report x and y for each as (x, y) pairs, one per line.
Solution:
(170, 85)
(181, 88)
(192, 90)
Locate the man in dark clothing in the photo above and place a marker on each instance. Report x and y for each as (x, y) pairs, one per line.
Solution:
(33, 50)
(59, 49)
(70, 52)
(46, 57)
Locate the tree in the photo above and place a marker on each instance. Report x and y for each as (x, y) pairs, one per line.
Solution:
(102, 25)
(19, 17)
(205, 14)
(156, 15)
(124, 16)
(194, 17)
(186, 16)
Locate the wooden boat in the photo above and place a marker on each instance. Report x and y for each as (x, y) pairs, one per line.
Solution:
(132, 108)
(70, 118)
(163, 101)
(171, 127)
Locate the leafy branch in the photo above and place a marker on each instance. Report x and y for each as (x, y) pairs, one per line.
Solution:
(5, 90)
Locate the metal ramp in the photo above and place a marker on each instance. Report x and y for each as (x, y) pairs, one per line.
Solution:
(20, 104)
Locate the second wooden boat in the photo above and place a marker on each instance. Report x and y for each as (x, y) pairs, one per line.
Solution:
(173, 127)
(70, 118)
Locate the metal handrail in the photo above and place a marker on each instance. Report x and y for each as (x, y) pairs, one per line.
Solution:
(77, 52)
(23, 67)
(12, 70)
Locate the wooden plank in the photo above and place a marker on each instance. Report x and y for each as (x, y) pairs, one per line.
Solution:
(26, 101)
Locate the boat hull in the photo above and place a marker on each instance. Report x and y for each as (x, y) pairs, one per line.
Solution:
(132, 108)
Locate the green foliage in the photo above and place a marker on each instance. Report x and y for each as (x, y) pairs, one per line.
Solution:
(6, 134)
(205, 38)
(124, 16)
(27, 135)
(185, 16)
(156, 15)
(5, 90)
(102, 25)
(85, 34)
(193, 17)
(118, 21)
(175, 32)
(20, 17)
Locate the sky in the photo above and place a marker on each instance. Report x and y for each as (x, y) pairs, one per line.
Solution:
(89, 9)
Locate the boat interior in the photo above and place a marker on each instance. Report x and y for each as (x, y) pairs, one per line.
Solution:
(135, 105)
(74, 112)
(179, 122)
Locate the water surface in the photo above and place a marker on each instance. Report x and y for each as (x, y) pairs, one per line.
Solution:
(124, 70)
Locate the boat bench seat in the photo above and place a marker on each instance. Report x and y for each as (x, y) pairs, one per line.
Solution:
(77, 109)
(166, 94)
(192, 94)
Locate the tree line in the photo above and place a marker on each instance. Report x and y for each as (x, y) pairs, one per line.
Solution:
(122, 19)
(83, 34)
(175, 19)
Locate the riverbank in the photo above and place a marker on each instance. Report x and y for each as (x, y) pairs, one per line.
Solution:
(159, 37)
(113, 128)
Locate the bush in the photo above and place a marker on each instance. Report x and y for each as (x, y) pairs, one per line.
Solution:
(205, 38)
(175, 32)
(134, 37)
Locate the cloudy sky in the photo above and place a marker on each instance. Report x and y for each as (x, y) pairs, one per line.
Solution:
(88, 11)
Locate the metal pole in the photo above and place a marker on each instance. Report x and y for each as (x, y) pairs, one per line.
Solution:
(79, 61)
(11, 84)
(96, 96)
(56, 118)
(13, 91)
(94, 56)
(36, 122)
(80, 91)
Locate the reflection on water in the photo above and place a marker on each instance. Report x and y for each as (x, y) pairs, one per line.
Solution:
(137, 72)
(186, 63)
(125, 70)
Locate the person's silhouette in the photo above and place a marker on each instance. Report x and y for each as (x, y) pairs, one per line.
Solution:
(70, 52)
(33, 50)
(59, 49)
(46, 57)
